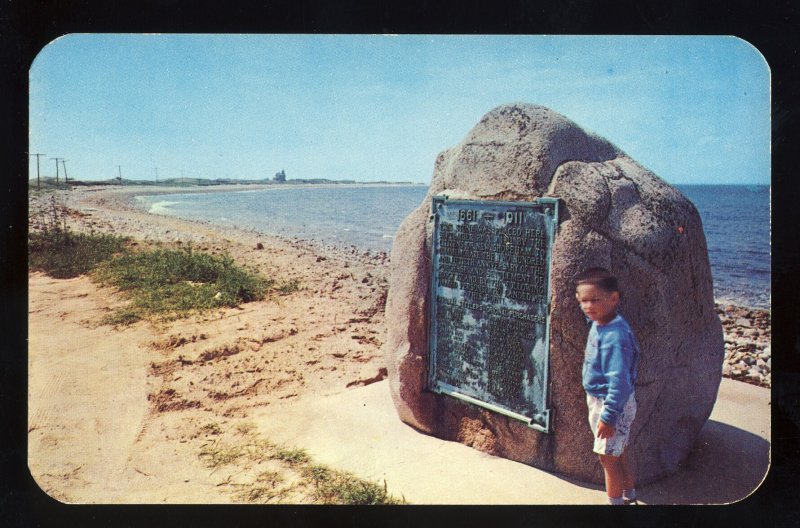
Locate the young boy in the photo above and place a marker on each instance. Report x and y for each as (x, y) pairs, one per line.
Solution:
(609, 374)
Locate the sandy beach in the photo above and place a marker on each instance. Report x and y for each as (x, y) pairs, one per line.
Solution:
(137, 414)
(123, 414)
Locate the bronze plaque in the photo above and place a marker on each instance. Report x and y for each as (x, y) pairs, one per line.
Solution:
(490, 298)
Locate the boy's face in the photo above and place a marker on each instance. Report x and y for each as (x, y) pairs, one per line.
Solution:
(598, 304)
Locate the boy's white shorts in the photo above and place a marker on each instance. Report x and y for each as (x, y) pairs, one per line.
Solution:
(616, 444)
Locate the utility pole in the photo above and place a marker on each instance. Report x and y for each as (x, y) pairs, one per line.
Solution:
(119, 167)
(38, 181)
(57, 160)
(64, 164)
(156, 168)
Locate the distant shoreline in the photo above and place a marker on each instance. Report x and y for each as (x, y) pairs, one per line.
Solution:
(49, 182)
(148, 191)
(199, 183)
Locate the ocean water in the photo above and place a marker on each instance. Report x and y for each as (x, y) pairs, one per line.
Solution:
(736, 220)
(363, 216)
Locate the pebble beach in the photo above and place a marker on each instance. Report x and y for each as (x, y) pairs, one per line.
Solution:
(748, 352)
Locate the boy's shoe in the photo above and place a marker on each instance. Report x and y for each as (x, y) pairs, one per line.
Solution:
(633, 502)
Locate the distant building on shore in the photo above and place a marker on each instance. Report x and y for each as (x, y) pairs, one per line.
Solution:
(280, 176)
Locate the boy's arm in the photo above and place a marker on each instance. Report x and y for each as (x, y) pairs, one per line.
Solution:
(615, 361)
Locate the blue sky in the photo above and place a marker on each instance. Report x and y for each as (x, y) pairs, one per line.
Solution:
(375, 107)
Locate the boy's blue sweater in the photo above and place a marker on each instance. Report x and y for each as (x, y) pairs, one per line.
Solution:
(610, 366)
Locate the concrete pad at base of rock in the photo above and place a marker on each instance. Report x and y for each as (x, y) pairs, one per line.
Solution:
(731, 456)
(358, 431)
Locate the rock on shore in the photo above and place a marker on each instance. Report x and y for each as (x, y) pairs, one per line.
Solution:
(748, 353)
(613, 213)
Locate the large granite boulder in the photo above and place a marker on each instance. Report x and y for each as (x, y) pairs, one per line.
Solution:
(614, 213)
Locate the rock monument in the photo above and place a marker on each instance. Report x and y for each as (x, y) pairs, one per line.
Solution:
(612, 213)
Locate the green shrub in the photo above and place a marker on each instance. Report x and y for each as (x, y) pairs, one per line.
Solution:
(63, 255)
(57, 251)
(170, 283)
(160, 283)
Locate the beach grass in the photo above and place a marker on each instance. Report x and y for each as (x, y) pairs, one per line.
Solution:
(170, 283)
(330, 486)
(62, 254)
(163, 284)
(54, 249)
(296, 472)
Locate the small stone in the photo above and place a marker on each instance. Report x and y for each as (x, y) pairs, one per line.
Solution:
(726, 370)
(742, 321)
(746, 346)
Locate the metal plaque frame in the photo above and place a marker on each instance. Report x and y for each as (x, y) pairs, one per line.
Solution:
(490, 302)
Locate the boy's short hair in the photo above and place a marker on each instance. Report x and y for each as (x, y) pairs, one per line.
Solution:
(600, 277)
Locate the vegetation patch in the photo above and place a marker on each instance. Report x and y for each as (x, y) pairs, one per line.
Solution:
(331, 486)
(64, 255)
(167, 284)
(286, 473)
(160, 283)
(268, 487)
(55, 250)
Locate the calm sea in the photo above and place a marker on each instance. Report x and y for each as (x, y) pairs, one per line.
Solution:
(736, 221)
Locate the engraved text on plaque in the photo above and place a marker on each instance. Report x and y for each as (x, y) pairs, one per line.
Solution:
(490, 303)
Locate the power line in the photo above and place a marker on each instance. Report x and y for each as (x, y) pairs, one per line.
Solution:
(64, 164)
(57, 160)
(38, 182)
